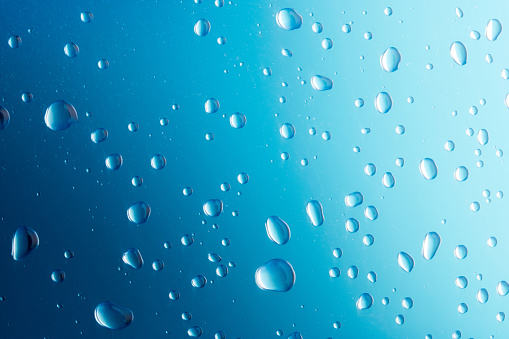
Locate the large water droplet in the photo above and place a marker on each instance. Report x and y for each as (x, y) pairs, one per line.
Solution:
(99, 135)
(321, 83)
(315, 212)
(5, 118)
(237, 120)
(276, 275)
(503, 288)
(211, 105)
(158, 162)
(493, 29)
(24, 241)
(132, 257)
(71, 50)
(113, 161)
(390, 59)
(288, 19)
(482, 295)
(459, 53)
(113, 316)
(194, 331)
(405, 261)
(60, 115)
(354, 199)
(430, 245)
(461, 173)
(199, 281)
(202, 27)
(364, 301)
(138, 213)
(277, 230)
(14, 41)
(213, 207)
(482, 137)
(383, 102)
(287, 131)
(86, 17)
(428, 168)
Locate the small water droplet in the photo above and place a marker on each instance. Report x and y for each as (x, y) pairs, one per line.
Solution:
(99, 135)
(503, 288)
(114, 161)
(388, 180)
(482, 296)
(199, 281)
(138, 213)
(58, 276)
(213, 207)
(237, 120)
(287, 131)
(211, 105)
(354, 199)
(460, 252)
(461, 173)
(482, 137)
(71, 50)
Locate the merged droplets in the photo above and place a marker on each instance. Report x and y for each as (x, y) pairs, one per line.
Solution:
(482, 296)
(390, 59)
(321, 83)
(458, 53)
(315, 212)
(24, 241)
(430, 245)
(383, 102)
(364, 301)
(493, 29)
(138, 213)
(5, 118)
(237, 120)
(113, 316)
(287, 131)
(213, 207)
(277, 230)
(405, 261)
(428, 168)
(202, 27)
(60, 115)
(354, 199)
(133, 258)
(461, 173)
(288, 19)
(71, 50)
(275, 275)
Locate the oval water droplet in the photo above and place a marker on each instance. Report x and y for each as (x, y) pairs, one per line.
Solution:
(199, 281)
(493, 29)
(461, 173)
(276, 275)
(277, 230)
(133, 258)
(14, 41)
(24, 241)
(482, 296)
(428, 168)
(5, 118)
(354, 199)
(364, 301)
(321, 83)
(370, 169)
(213, 207)
(383, 102)
(430, 245)
(503, 288)
(482, 137)
(371, 213)
(458, 53)
(211, 105)
(500, 316)
(388, 180)
(405, 261)
(138, 213)
(353, 272)
(390, 59)
(202, 27)
(288, 19)
(287, 131)
(113, 316)
(315, 212)
(99, 135)
(352, 225)
(60, 115)
(71, 50)
(194, 331)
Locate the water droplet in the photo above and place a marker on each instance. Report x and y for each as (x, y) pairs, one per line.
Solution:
(405, 261)
(460, 252)
(353, 272)
(462, 308)
(346, 28)
(354, 199)
(383, 102)
(400, 129)
(493, 29)
(288, 19)
(407, 303)
(276, 275)
(211, 105)
(68, 254)
(430, 245)
(475, 206)
(372, 277)
(456, 335)
(237, 120)
(199, 281)
(321, 83)
(113, 161)
(370, 169)
(475, 35)
(388, 180)
(103, 64)
(14, 41)
(500, 316)
(449, 145)
(202, 27)
(459, 53)
(213, 207)
(60, 115)
(428, 168)
(138, 213)
(482, 295)
(137, 181)
(390, 59)
(132, 257)
(287, 131)
(482, 137)
(461, 173)
(99, 135)
(158, 162)
(359, 102)
(352, 225)
(186, 240)
(27, 97)
(277, 230)
(71, 50)
(368, 240)
(364, 301)
(133, 127)
(221, 271)
(86, 17)
(315, 212)
(337, 252)
(58, 276)
(326, 44)
(388, 11)
(462, 282)
(459, 12)
(286, 52)
(317, 27)
(503, 288)
(194, 331)
(368, 36)
(5, 118)
(400, 320)
(24, 241)
(113, 316)
(334, 272)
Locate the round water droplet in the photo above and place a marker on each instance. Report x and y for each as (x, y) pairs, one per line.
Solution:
(346, 28)
(462, 282)
(383, 102)
(368, 240)
(482, 296)
(321, 83)
(390, 59)
(503, 288)
(475, 35)
(317, 27)
(103, 64)
(27, 97)
(221, 271)
(194, 331)
(352, 225)
(213, 207)
(482, 137)
(400, 319)
(211, 105)
(199, 281)
(71, 50)
(388, 180)
(138, 213)
(114, 161)
(99, 135)
(430, 245)
(58, 276)
(5, 118)
(113, 316)
(133, 258)
(456, 335)
(14, 41)
(460, 252)
(462, 308)
(277, 230)
(354, 199)
(359, 102)
(276, 275)
(370, 169)
(334, 272)
(449, 145)
(458, 53)
(364, 301)
(157, 265)
(405, 261)
(137, 181)
(385, 301)
(60, 115)
(86, 17)
(187, 191)
(407, 303)
(326, 44)
(400, 129)
(315, 212)
(353, 272)
(500, 316)
(68, 254)
(186, 240)
(493, 29)
(158, 162)
(288, 19)
(337, 252)
(202, 27)
(388, 11)
(237, 120)
(133, 127)
(461, 173)
(428, 168)
(24, 241)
